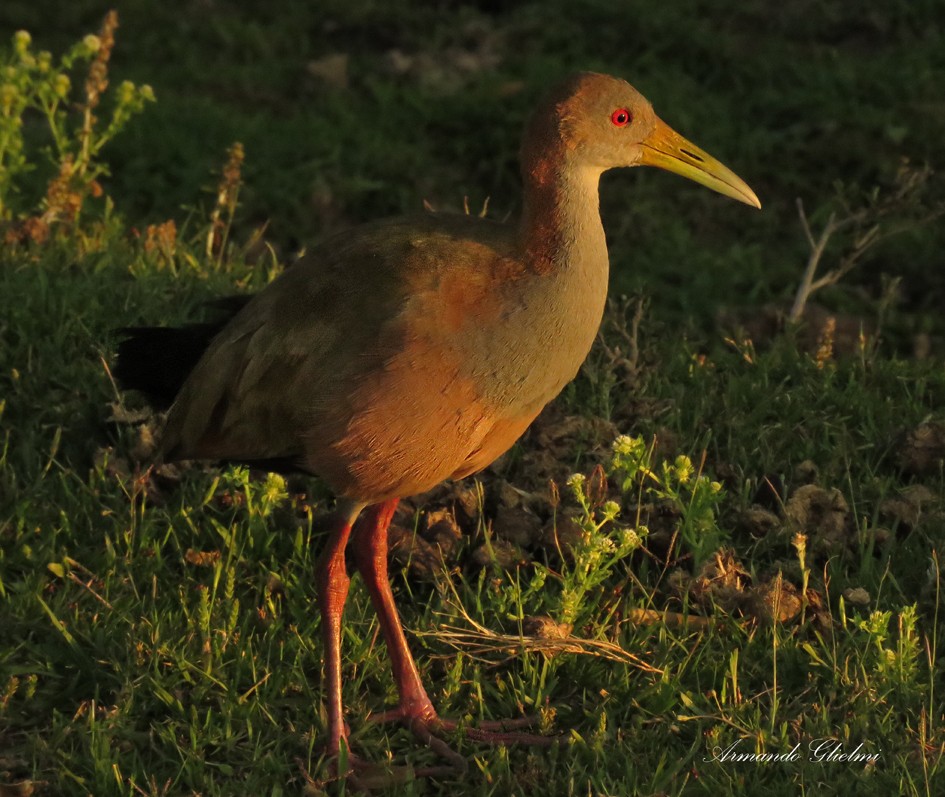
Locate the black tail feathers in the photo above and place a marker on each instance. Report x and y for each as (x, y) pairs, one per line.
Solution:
(157, 360)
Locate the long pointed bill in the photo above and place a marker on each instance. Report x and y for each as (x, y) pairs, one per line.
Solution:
(666, 149)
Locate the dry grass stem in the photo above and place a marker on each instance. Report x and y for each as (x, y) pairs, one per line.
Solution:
(480, 642)
(95, 85)
(227, 199)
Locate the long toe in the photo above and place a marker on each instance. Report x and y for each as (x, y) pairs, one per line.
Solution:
(502, 732)
(429, 727)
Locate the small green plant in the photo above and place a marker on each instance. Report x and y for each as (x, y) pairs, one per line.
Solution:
(605, 542)
(895, 664)
(32, 83)
(693, 495)
(603, 545)
(260, 498)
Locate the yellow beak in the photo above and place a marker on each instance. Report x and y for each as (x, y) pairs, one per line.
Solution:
(666, 149)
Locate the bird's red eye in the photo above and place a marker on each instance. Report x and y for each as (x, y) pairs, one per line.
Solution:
(621, 117)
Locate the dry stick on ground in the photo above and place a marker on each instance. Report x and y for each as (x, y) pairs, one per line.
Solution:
(868, 231)
(480, 642)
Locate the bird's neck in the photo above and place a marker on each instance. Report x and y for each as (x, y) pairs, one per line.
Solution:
(561, 227)
(565, 253)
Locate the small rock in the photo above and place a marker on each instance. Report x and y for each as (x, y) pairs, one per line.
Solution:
(806, 472)
(920, 495)
(776, 600)
(880, 535)
(517, 525)
(900, 514)
(906, 510)
(545, 627)
(563, 435)
(758, 522)
(399, 62)
(411, 550)
(499, 553)
(332, 70)
(506, 495)
(539, 465)
(722, 580)
(466, 500)
(678, 582)
(821, 515)
(856, 596)
(923, 450)
(443, 532)
(168, 472)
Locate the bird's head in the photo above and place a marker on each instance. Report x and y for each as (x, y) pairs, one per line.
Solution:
(603, 122)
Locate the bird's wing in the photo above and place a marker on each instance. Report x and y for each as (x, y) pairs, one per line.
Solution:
(292, 357)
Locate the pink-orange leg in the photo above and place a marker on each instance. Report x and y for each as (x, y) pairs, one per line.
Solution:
(332, 583)
(415, 709)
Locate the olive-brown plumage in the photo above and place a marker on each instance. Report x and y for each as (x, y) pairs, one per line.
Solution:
(406, 352)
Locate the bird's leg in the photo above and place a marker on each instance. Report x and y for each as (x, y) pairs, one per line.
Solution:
(369, 548)
(332, 583)
(415, 709)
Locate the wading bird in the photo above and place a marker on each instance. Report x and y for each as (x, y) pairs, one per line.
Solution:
(409, 351)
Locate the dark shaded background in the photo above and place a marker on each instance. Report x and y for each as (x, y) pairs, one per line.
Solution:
(354, 110)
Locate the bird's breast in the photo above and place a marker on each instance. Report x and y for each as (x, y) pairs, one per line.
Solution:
(534, 343)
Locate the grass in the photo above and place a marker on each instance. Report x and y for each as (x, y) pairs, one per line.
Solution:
(159, 636)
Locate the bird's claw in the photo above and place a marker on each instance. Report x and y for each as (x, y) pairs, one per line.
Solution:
(428, 727)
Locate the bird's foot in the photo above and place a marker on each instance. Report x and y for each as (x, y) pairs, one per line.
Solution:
(500, 732)
(362, 775)
(429, 728)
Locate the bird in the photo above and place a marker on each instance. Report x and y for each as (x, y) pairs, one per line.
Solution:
(412, 350)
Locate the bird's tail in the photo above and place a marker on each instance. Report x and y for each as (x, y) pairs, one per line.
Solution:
(157, 360)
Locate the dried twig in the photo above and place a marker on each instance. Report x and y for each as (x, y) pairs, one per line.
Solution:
(86, 584)
(868, 224)
(479, 642)
(805, 289)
